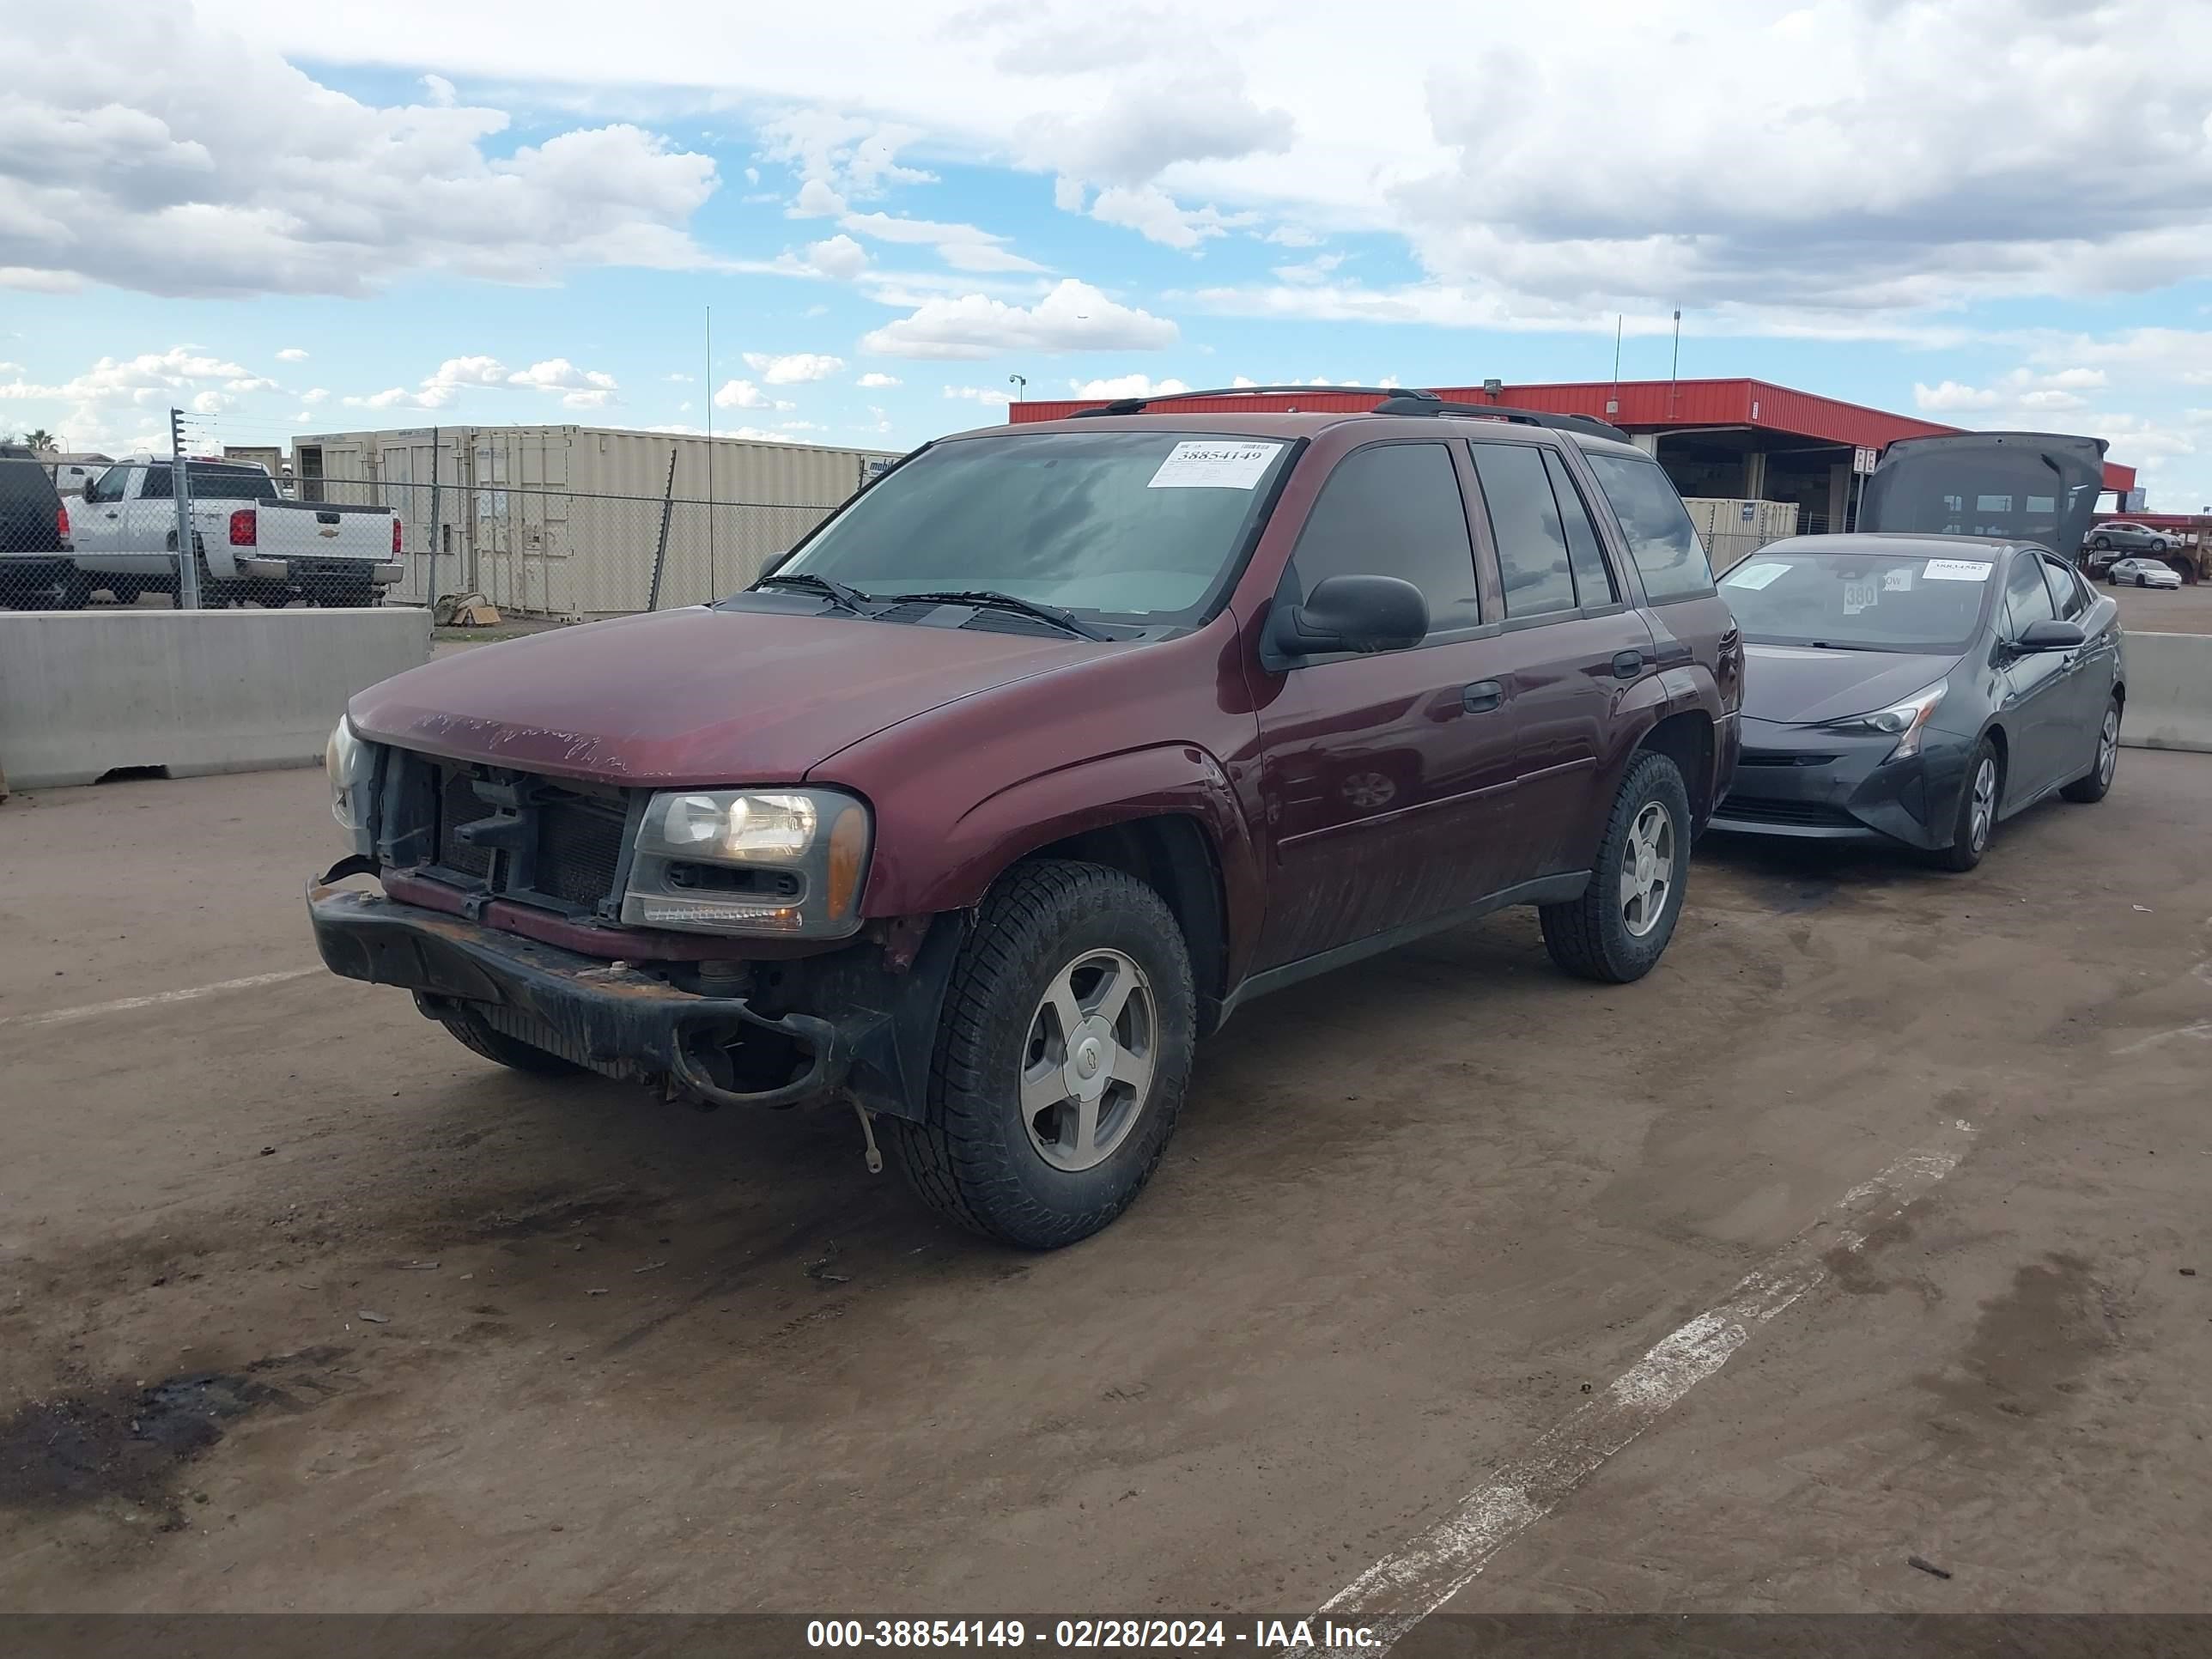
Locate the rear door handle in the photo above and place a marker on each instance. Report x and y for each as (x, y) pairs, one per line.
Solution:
(1627, 664)
(1482, 697)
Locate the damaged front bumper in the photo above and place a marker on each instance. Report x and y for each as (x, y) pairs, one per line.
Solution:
(610, 1016)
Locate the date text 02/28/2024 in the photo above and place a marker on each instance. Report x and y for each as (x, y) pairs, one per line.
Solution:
(1170, 1634)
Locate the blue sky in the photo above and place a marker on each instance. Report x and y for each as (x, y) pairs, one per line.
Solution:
(288, 224)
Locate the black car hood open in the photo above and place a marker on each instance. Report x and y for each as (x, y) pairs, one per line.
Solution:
(2023, 486)
(1807, 685)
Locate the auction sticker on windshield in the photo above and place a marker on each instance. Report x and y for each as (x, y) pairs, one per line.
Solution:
(1860, 596)
(1755, 576)
(1213, 464)
(1955, 570)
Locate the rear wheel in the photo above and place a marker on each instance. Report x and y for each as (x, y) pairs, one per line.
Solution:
(2158, 549)
(1061, 1058)
(1618, 929)
(1976, 820)
(2094, 784)
(2102, 544)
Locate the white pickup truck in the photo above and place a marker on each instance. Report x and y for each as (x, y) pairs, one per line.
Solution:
(250, 542)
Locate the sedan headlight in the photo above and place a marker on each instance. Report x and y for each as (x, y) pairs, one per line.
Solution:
(1906, 718)
(350, 765)
(781, 862)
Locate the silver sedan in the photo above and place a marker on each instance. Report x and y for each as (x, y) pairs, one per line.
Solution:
(2141, 573)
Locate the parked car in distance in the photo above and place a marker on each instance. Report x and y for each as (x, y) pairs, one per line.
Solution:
(250, 543)
(2141, 573)
(1918, 689)
(1047, 751)
(35, 534)
(2125, 536)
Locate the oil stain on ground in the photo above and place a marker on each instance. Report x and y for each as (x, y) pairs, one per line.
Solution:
(2033, 1343)
(126, 1442)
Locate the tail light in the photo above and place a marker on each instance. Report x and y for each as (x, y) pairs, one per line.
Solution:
(243, 533)
(395, 538)
(61, 522)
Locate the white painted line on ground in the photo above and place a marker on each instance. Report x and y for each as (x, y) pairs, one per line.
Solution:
(124, 1005)
(1421, 1576)
(2203, 1031)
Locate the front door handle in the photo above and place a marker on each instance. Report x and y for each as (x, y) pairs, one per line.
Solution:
(108, 515)
(1482, 697)
(1627, 664)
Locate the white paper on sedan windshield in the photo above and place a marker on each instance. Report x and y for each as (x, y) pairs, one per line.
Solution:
(1955, 570)
(1757, 576)
(1899, 580)
(1213, 464)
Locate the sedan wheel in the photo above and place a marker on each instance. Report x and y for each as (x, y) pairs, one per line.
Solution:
(1976, 818)
(2092, 785)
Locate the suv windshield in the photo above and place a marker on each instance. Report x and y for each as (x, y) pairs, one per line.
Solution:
(1857, 601)
(1136, 526)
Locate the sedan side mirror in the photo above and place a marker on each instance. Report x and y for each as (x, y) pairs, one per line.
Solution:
(1365, 614)
(2049, 635)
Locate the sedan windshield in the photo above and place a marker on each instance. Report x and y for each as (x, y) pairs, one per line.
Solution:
(1141, 526)
(1851, 601)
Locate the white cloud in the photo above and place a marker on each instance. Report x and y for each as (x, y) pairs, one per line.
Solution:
(293, 354)
(440, 91)
(1951, 396)
(1073, 317)
(980, 394)
(559, 374)
(964, 247)
(314, 395)
(875, 378)
(211, 167)
(1126, 385)
(1154, 215)
(580, 388)
(118, 404)
(839, 258)
(744, 394)
(758, 435)
(792, 369)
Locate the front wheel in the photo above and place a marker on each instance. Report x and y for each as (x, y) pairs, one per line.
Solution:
(1062, 1059)
(1617, 930)
(2158, 550)
(2102, 544)
(2095, 783)
(1976, 820)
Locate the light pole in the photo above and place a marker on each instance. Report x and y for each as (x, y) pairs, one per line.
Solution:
(1021, 386)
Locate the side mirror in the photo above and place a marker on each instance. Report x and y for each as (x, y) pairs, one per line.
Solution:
(775, 561)
(2049, 636)
(1352, 613)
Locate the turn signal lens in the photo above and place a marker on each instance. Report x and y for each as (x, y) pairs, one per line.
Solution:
(849, 857)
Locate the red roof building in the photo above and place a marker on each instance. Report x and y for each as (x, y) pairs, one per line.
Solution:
(1738, 439)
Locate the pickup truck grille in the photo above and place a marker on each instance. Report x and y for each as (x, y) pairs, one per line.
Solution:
(565, 849)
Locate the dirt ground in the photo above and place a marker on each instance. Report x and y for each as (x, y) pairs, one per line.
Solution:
(303, 1306)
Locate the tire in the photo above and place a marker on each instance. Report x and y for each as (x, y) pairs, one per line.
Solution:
(2102, 544)
(513, 1053)
(2158, 550)
(1971, 828)
(2093, 785)
(1028, 1178)
(1593, 937)
(2142, 582)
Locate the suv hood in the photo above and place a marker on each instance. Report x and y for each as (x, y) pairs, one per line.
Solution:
(1804, 686)
(697, 696)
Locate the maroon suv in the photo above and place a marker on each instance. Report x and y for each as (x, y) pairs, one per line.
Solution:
(1049, 749)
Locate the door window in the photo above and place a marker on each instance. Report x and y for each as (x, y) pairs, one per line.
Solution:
(108, 487)
(1525, 525)
(2066, 589)
(156, 486)
(2026, 599)
(1593, 584)
(1394, 510)
(1661, 537)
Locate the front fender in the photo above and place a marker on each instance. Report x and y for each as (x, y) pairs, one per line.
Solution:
(1166, 780)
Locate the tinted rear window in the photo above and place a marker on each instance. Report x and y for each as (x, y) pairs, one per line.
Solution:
(213, 483)
(1661, 537)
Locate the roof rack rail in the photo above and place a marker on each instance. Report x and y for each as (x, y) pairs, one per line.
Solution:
(1396, 400)
(1427, 403)
(1136, 406)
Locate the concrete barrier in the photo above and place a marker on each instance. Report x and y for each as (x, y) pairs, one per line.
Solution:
(2169, 692)
(85, 692)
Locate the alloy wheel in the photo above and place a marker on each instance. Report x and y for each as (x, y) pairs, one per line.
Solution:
(1982, 813)
(1647, 869)
(1088, 1065)
(2108, 746)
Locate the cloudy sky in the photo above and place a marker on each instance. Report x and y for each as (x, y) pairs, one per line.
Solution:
(1997, 214)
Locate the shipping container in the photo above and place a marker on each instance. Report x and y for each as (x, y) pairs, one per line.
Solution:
(1733, 531)
(570, 521)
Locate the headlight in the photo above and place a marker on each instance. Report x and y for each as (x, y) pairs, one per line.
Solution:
(351, 766)
(781, 862)
(1907, 720)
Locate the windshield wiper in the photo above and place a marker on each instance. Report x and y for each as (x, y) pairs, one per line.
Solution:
(845, 598)
(990, 598)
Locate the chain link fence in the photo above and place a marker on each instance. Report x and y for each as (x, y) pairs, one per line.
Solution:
(531, 551)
